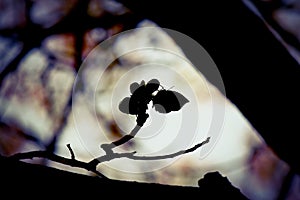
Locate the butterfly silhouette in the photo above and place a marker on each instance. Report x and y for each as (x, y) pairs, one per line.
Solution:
(164, 101)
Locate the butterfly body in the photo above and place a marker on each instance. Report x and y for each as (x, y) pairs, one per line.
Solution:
(141, 96)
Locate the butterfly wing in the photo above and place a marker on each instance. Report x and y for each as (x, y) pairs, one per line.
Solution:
(133, 87)
(181, 99)
(124, 105)
(166, 101)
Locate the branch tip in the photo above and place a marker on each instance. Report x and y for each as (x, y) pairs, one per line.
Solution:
(207, 140)
(71, 151)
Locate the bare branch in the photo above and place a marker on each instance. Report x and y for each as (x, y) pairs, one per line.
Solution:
(59, 159)
(173, 155)
(71, 151)
(108, 147)
(131, 155)
(91, 166)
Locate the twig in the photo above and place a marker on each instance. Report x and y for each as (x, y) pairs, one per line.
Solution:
(71, 151)
(131, 155)
(173, 155)
(91, 166)
(59, 159)
(108, 147)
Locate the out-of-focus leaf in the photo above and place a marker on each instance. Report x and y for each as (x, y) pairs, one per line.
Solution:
(12, 14)
(61, 46)
(49, 12)
(9, 49)
(97, 8)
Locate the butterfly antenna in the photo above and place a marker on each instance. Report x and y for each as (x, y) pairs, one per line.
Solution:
(171, 87)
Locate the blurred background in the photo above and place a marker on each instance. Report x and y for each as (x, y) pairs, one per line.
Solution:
(46, 46)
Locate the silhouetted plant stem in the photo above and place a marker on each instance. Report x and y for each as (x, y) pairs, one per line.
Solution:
(173, 155)
(108, 147)
(59, 159)
(71, 151)
(92, 165)
(131, 155)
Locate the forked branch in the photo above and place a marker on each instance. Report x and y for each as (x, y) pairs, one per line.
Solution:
(92, 165)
